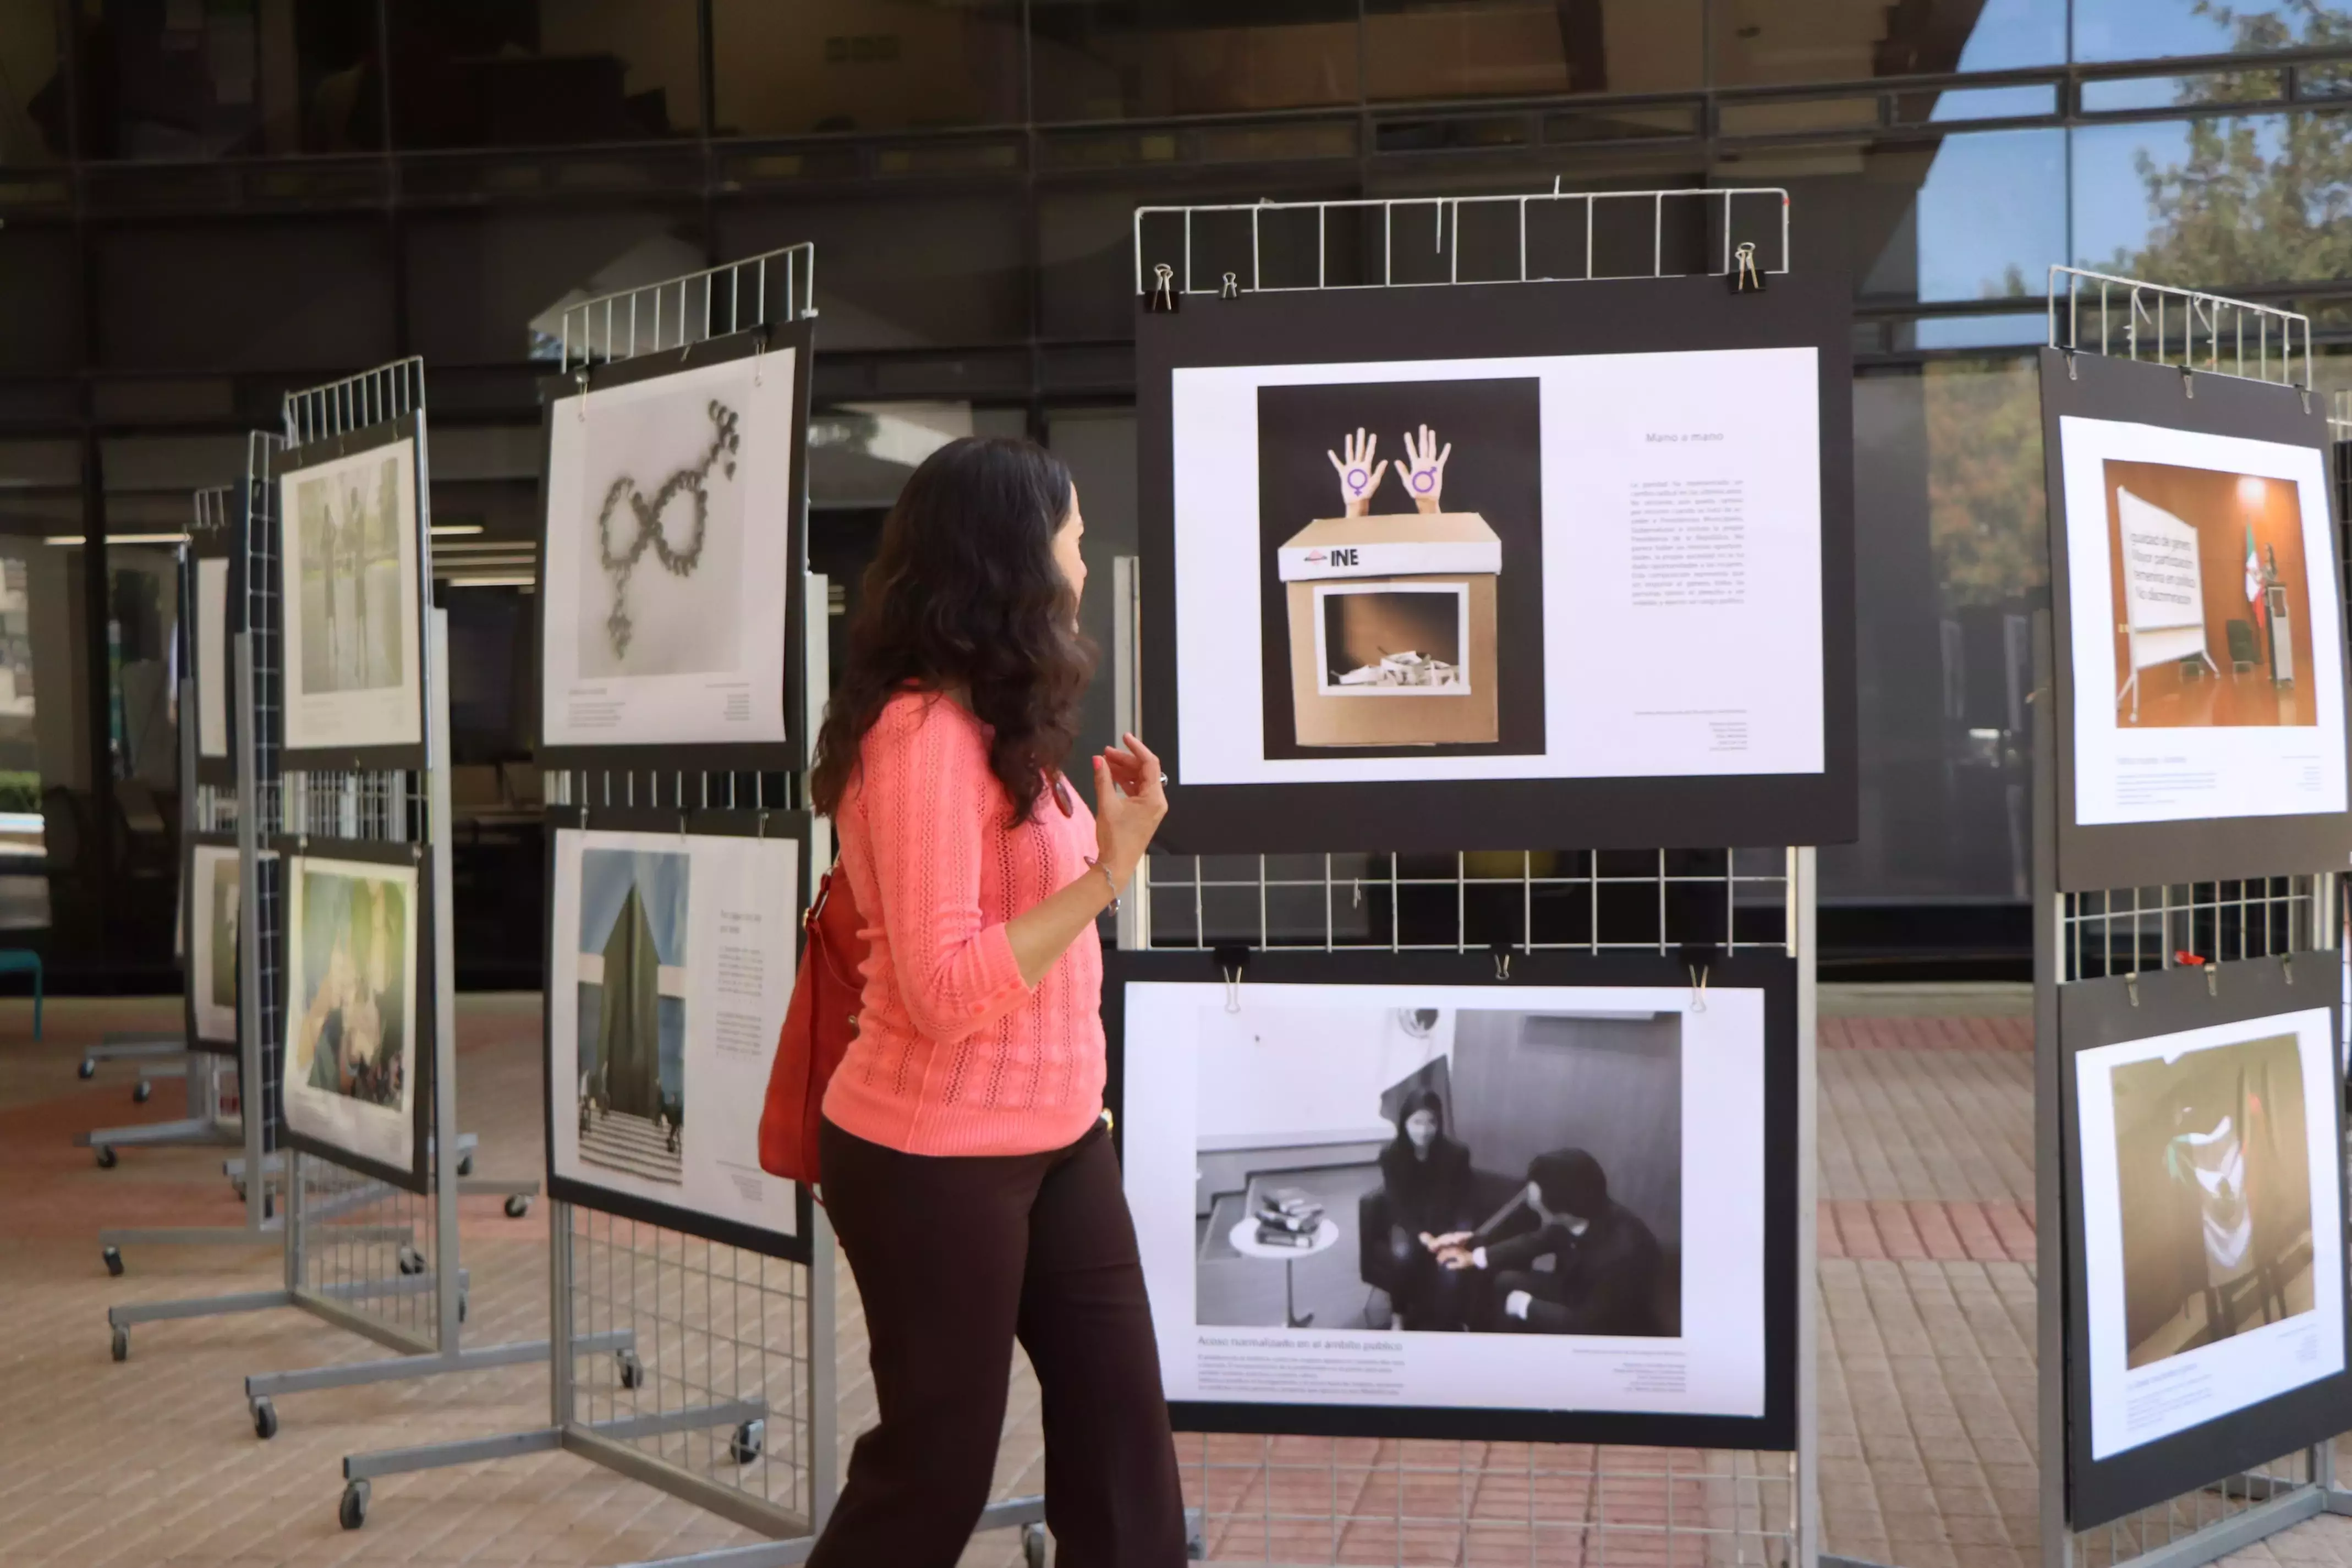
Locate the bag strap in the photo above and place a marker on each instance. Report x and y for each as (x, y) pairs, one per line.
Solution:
(816, 929)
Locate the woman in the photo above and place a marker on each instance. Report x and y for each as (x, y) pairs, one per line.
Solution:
(967, 1157)
(1425, 1175)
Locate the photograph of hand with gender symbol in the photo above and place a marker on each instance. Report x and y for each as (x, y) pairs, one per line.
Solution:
(1384, 451)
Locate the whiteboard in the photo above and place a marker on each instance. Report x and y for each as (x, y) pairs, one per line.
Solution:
(2162, 590)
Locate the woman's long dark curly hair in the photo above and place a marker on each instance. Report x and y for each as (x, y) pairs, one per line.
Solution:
(964, 593)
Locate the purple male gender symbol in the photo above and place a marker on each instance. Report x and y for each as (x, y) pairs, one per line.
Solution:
(1423, 481)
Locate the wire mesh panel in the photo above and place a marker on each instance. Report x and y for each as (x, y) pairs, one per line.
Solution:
(719, 1387)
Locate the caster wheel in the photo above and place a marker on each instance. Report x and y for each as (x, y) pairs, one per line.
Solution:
(107, 1156)
(518, 1205)
(265, 1419)
(88, 1069)
(353, 1511)
(465, 1164)
(114, 1255)
(141, 1095)
(1033, 1546)
(411, 1260)
(121, 1344)
(745, 1445)
(632, 1370)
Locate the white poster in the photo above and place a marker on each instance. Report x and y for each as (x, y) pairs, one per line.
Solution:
(2212, 1223)
(1456, 1197)
(350, 590)
(1633, 544)
(212, 673)
(2206, 624)
(216, 886)
(673, 966)
(669, 561)
(353, 1029)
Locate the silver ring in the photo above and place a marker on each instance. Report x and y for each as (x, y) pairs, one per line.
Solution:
(1163, 780)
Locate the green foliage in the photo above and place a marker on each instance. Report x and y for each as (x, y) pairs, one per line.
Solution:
(2257, 200)
(20, 790)
(1986, 517)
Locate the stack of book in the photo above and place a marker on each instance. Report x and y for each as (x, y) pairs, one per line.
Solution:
(1288, 1217)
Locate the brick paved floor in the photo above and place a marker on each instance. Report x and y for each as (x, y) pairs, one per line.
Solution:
(1926, 1374)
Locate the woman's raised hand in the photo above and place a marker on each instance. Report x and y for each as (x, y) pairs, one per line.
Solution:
(1423, 468)
(1358, 475)
(1131, 798)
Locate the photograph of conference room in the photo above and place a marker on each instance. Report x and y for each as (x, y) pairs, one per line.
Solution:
(2212, 598)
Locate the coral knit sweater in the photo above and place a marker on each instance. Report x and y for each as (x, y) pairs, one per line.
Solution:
(954, 1055)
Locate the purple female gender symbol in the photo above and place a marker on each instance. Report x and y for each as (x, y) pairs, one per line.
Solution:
(1355, 478)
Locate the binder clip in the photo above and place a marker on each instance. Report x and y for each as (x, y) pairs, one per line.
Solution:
(1747, 277)
(1230, 960)
(1162, 300)
(1502, 955)
(1699, 959)
(1229, 289)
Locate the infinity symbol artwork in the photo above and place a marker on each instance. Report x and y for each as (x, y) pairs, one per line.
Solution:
(695, 481)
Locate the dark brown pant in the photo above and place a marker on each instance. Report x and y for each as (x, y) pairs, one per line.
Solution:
(954, 1257)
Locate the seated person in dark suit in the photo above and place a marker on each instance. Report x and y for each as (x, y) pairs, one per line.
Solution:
(1425, 1177)
(1605, 1262)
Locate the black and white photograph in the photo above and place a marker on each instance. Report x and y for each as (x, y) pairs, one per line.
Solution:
(1398, 1194)
(356, 1050)
(671, 963)
(2212, 1223)
(672, 512)
(350, 580)
(1588, 536)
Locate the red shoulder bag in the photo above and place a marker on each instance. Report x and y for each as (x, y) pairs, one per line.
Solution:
(818, 1027)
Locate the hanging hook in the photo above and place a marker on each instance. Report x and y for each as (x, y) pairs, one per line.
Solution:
(1231, 289)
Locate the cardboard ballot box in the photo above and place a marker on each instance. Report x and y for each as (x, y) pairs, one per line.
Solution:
(1392, 629)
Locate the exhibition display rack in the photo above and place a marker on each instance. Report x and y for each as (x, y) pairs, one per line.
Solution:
(729, 1398)
(358, 1252)
(2181, 944)
(1292, 1499)
(213, 1079)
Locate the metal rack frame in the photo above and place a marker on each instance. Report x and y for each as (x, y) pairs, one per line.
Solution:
(349, 1242)
(173, 1056)
(1293, 1496)
(731, 1380)
(2097, 934)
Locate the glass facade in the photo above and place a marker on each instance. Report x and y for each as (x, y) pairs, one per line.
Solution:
(206, 202)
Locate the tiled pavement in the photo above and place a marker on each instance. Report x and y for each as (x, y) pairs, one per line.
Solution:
(1927, 1376)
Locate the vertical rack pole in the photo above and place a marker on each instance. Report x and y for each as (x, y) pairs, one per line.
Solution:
(444, 958)
(1803, 947)
(252, 1087)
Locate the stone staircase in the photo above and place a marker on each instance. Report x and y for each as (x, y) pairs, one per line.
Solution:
(619, 1142)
